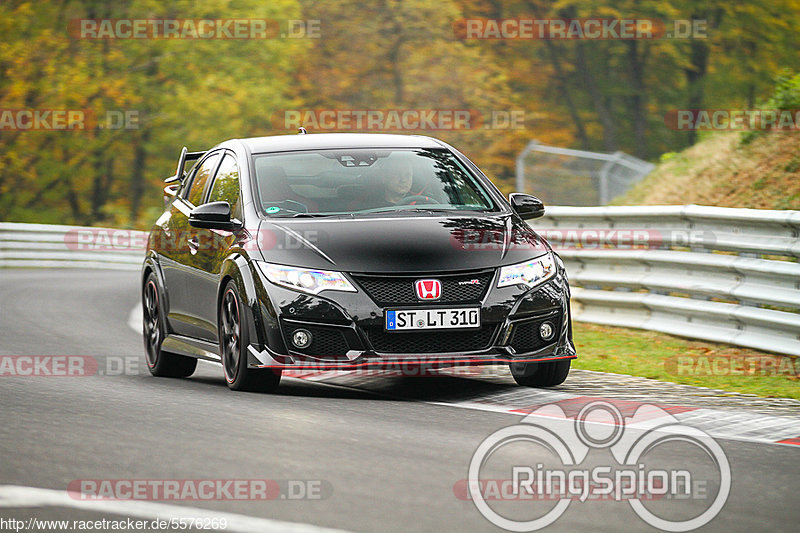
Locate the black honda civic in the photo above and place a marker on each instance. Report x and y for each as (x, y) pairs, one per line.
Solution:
(346, 252)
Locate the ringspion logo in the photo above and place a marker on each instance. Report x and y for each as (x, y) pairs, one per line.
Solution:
(640, 469)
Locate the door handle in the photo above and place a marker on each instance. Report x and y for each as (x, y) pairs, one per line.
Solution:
(194, 245)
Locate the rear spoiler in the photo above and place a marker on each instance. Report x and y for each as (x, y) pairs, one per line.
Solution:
(186, 155)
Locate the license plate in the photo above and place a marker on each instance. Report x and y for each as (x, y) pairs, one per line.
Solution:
(410, 319)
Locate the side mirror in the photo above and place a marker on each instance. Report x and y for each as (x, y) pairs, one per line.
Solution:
(526, 206)
(214, 215)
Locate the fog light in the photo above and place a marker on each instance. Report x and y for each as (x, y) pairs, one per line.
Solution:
(546, 331)
(301, 338)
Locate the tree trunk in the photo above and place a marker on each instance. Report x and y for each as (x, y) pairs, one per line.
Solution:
(137, 180)
(695, 77)
(101, 185)
(636, 60)
(598, 100)
(699, 52)
(397, 73)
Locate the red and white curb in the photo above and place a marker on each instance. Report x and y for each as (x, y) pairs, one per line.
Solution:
(740, 425)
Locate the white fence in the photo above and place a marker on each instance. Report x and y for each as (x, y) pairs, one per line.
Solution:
(577, 177)
(724, 275)
(718, 274)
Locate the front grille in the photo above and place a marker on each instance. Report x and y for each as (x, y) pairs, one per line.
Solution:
(399, 290)
(430, 341)
(525, 335)
(324, 341)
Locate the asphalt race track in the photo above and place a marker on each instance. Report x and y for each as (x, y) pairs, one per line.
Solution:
(371, 453)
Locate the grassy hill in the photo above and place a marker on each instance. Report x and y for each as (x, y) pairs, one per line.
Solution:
(723, 171)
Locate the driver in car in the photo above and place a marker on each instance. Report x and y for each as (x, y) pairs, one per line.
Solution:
(392, 188)
(397, 183)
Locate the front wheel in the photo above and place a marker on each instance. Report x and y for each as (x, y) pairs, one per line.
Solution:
(233, 342)
(159, 362)
(540, 374)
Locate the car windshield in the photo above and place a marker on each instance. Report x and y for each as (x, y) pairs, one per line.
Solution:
(359, 182)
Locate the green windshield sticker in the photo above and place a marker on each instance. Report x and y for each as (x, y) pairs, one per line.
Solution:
(272, 210)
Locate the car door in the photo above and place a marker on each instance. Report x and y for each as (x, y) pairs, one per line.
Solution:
(179, 256)
(204, 276)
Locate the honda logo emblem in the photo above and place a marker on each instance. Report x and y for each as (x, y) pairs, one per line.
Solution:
(428, 289)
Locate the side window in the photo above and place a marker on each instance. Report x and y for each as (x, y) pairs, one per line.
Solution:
(226, 186)
(201, 178)
(183, 192)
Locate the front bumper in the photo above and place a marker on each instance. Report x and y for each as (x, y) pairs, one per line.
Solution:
(352, 326)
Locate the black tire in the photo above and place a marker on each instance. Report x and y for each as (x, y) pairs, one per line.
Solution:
(159, 362)
(233, 340)
(540, 374)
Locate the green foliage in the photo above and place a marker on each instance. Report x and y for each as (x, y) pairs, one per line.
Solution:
(787, 92)
(666, 156)
(604, 95)
(785, 96)
(184, 92)
(759, 184)
(793, 165)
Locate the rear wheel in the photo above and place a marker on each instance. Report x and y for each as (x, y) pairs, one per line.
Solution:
(233, 342)
(160, 363)
(540, 374)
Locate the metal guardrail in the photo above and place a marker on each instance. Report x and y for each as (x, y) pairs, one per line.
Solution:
(51, 246)
(718, 274)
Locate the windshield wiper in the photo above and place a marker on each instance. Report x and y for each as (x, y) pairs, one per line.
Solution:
(405, 211)
(316, 215)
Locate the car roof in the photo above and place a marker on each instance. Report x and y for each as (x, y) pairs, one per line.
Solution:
(317, 141)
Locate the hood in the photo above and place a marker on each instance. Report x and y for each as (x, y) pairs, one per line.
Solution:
(395, 244)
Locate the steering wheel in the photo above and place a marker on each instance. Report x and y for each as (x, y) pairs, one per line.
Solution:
(418, 199)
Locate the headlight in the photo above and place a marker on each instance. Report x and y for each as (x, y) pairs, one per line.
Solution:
(304, 279)
(530, 273)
